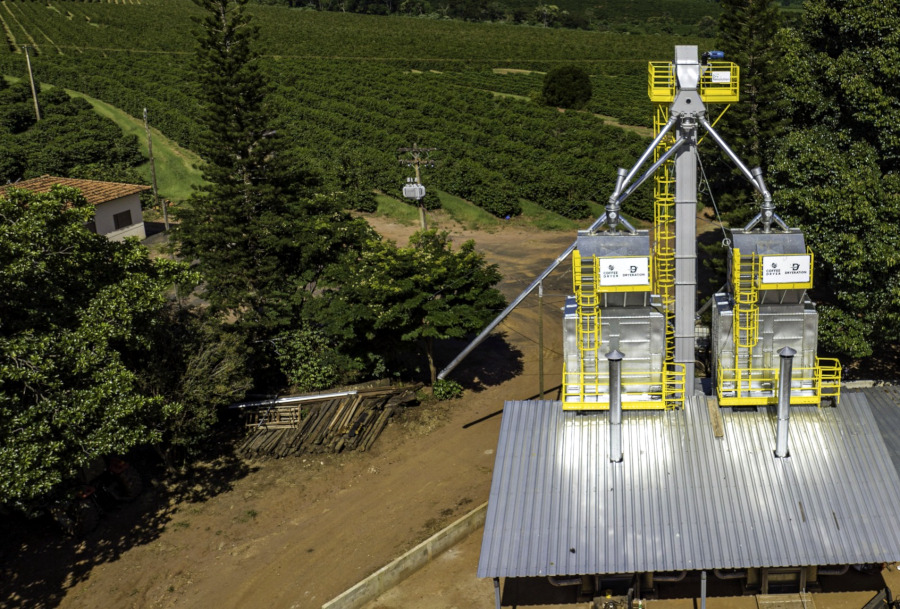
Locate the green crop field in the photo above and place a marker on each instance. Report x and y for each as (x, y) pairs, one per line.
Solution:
(349, 90)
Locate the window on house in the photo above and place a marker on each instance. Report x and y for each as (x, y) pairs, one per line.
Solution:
(91, 226)
(122, 219)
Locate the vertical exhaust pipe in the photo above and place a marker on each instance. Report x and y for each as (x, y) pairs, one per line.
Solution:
(784, 402)
(615, 405)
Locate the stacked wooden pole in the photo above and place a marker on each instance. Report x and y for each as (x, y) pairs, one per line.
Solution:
(351, 422)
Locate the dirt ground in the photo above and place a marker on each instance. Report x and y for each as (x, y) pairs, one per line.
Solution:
(294, 533)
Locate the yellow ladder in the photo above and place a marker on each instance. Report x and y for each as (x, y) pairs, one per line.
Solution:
(585, 277)
(664, 231)
(745, 283)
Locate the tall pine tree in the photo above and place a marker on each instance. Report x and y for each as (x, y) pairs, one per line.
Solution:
(747, 35)
(261, 242)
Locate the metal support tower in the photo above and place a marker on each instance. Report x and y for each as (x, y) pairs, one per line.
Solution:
(687, 108)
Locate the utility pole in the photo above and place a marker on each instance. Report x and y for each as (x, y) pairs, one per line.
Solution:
(419, 159)
(541, 337)
(37, 110)
(153, 171)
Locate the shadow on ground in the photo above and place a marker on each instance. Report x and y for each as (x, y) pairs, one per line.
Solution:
(39, 563)
(493, 362)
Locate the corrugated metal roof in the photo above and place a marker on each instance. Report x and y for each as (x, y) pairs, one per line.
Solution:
(885, 403)
(683, 499)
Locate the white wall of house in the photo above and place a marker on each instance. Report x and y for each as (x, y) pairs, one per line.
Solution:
(105, 213)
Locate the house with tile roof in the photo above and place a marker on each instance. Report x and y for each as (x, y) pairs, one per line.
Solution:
(117, 206)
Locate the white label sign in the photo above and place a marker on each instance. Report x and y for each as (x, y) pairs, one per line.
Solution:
(720, 76)
(625, 271)
(786, 269)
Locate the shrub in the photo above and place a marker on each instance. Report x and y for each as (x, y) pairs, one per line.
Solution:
(447, 390)
(567, 87)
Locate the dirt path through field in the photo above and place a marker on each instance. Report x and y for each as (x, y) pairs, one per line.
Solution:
(296, 532)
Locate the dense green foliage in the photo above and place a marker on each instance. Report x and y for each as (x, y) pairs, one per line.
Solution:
(350, 82)
(71, 140)
(629, 16)
(567, 87)
(836, 170)
(416, 294)
(77, 311)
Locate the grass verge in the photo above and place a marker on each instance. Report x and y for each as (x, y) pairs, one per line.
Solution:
(469, 215)
(176, 171)
(396, 210)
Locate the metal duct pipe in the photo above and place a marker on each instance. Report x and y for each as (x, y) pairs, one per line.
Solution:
(621, 172)
(839, 571)
(518, 300)
(615, 405)
(643, 159)
(294, 399)
(665, 157)
(703, 589)
(784, 402)
(671, 577)
(561, 582)
(730, 153)
(721, 574)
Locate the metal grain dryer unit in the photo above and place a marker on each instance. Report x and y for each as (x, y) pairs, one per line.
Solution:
(636, 476)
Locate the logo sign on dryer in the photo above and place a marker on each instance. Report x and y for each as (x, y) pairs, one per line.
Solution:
(786, 269)
(625, 271)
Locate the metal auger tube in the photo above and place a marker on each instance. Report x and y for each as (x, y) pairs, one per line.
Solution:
(490, 327)
(643, 159)
(518, 300)
(737, 161)
(597, 224)
(665, 157)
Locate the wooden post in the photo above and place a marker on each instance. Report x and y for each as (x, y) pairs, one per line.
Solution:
(421, 204)
(37, 110)
(153, 171)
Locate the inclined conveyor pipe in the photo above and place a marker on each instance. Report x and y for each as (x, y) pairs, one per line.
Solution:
(540, 278)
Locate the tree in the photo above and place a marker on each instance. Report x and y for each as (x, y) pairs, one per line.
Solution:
(197, 367)
(421, 293)
(567, 87)
(76, 309)
(836, 170)
(747, 35)
(261, 242)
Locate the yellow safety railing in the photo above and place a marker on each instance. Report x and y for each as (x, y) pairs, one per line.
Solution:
(745, 285)
(664, 232)
(640, 390)
(719, 82)
(661, 82)
(759, 386)
(673, 385)
(828, 371)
